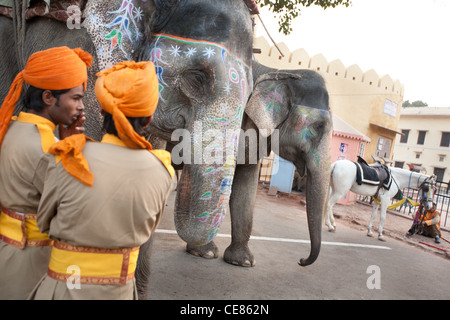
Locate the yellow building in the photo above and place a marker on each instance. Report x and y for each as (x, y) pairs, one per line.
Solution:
(425, 143)
(369, 103)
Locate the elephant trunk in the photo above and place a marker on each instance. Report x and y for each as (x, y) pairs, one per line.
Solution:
(202, 202)
(205, 187)
(317, 192)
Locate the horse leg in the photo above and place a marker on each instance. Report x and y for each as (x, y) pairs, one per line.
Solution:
(383, 209)
(372, 218)
(329, 217)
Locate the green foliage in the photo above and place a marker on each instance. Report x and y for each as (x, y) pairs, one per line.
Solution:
(290, 9)
(418, 103)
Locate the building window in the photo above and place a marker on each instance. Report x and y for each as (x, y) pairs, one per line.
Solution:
(404, 137)
(399, 164)
(441, 157)
(383, 147)
(445, 139)
(418, 155)
(439, 172)
(421, 138)
(362, 146)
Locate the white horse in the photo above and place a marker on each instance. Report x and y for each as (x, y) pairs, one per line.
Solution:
(343, 179)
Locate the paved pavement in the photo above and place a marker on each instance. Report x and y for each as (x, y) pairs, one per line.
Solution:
(350, 266)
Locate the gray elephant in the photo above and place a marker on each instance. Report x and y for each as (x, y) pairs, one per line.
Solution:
(206, 77)
(294, 102)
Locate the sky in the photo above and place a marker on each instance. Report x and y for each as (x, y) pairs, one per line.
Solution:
(407, 39)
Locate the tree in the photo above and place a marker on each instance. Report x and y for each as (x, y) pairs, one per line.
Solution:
(290, 9)
(417, 103)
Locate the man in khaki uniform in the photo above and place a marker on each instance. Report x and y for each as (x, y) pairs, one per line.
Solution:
(102, 201)
(57, 79)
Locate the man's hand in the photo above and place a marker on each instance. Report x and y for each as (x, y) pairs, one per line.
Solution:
(75, 128)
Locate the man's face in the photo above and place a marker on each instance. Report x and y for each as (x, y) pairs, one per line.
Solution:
(68, 107)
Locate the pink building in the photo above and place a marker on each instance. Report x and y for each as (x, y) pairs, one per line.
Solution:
(347, 143)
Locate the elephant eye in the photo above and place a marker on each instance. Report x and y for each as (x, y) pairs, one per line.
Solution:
(195, 83)
(318, 128)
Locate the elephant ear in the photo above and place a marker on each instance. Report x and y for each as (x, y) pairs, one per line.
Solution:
(270, 102)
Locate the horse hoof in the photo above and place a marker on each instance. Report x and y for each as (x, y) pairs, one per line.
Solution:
(369, 234)
(381, 238)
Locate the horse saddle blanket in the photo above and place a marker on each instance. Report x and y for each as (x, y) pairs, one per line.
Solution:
(375, 175)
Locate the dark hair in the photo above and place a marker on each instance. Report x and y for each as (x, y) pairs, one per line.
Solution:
(32, 99)
(138, 124)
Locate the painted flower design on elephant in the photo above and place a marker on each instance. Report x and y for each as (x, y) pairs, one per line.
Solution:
(189, 48)
(124, 23)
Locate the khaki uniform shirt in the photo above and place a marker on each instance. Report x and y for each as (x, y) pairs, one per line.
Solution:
(20, 191)
(120, 210)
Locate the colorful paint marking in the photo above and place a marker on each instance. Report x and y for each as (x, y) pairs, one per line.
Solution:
(121, 23)
(171, 51)
(234, 75)
(206, 196)
(193, 42)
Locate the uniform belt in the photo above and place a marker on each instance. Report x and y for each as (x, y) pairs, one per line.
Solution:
(21, 230)
(92, 265)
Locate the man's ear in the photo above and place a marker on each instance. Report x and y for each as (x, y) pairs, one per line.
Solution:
(48, 98)
(150, 119)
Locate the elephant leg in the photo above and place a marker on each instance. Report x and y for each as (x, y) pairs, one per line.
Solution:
(142, 273)
(242, 203)
(208, 251)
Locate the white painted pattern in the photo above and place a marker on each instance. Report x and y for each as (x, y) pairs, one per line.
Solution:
(341, 244)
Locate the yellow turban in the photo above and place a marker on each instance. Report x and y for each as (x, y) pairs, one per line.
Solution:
(129, 89)
(57, 68)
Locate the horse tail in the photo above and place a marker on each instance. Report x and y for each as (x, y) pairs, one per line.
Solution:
(333, 165)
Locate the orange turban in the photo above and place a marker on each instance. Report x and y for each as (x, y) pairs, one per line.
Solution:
(70, 153)
(52, 69)
(129, 89)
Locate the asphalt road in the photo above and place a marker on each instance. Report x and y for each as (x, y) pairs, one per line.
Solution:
(350, 266)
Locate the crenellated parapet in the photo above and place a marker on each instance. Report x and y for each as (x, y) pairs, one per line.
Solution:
(300, 59)
(368, 102)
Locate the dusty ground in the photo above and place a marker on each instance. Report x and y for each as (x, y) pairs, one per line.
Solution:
(357, 216)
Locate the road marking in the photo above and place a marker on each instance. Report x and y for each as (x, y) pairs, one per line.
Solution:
(341, 244)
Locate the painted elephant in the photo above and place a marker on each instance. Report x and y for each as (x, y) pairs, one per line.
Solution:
(294, 104)
(290, 109)
(206, 77)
